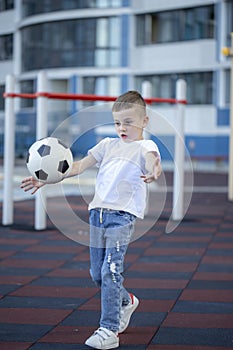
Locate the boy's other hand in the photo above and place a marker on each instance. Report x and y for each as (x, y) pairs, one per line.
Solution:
(148, 178)
(152, 176)
(30, 183)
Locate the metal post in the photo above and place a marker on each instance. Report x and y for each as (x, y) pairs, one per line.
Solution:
(179, 158)
(146, 89)
(9, 153)
(146, 93)
(230, 178)
(41, 131)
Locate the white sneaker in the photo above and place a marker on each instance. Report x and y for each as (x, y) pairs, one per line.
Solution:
(126, 313)
(103, 338)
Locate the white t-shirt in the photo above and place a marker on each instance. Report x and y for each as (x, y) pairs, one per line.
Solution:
(118, 182)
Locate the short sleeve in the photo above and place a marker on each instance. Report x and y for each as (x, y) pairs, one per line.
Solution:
(150, 146)
(98, 150)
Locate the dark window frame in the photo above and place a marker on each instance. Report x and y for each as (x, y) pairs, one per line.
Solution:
(200, 86)
(194, 23)
(6, 47)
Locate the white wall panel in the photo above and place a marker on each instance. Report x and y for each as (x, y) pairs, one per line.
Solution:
(161, 5)
(185, 56)
(7, 24)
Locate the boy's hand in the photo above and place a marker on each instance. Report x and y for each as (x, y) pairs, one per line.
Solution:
(152, 176)
(30, 183)
(148, 178)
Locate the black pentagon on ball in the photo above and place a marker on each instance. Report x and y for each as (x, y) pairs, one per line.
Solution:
(63, 166)
(41, 175)
(44, 150)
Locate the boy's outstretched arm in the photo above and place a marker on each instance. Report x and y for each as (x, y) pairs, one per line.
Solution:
(153, 167)
(79, 166)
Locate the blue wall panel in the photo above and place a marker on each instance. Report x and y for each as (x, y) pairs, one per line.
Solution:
(208, 146)
(124, 83)
(203, 147)
(223, 117)
(165, 145)
(124, 40)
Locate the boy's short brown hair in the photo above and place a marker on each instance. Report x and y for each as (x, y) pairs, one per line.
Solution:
(129, 100)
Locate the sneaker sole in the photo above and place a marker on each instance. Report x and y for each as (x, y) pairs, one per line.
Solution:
(107, 347)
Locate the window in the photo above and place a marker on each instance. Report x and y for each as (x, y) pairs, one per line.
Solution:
(199, 86)
(229, 22)
(6, 5)
(101, 85)
(2, 99)
(27, 86)
(6, 47)
(179, 25)
(32, 7)
(85, 42)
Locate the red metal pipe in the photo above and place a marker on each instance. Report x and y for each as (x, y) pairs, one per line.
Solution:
(87, 97)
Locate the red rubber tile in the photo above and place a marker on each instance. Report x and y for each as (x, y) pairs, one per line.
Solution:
(68, 273)
(17, 279)
(191, 320)
(190, 229)
(217, 259)
(130, 258)
(220, 245)
(6, 254)
(162, 267)
(14, 345)
(227, 225)
(155, 283)
(53, 249)
(224, 235)
(213, 276)
(182, 239)
(207, 295)
(174, 251)
(55, 291)
(155, 305)
(92, 304)
(49, 264)
(18, 241)
(140, 245)
(82, 257)
(68, 335)
(33, 316)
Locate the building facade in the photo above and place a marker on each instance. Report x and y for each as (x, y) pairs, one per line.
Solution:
(106, 47)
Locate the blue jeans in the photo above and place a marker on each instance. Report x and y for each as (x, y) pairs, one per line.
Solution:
(110, 233)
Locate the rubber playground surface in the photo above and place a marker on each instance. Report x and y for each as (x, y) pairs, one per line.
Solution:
(184, 280)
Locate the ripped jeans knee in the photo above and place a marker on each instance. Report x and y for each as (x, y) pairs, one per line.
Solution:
(110, 269)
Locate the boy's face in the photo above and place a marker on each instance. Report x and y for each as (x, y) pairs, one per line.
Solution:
(129, 124)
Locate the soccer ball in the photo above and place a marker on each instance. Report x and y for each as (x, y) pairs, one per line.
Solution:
(49, 160)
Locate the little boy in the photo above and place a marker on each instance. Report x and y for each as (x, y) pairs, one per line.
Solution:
(125, 164)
